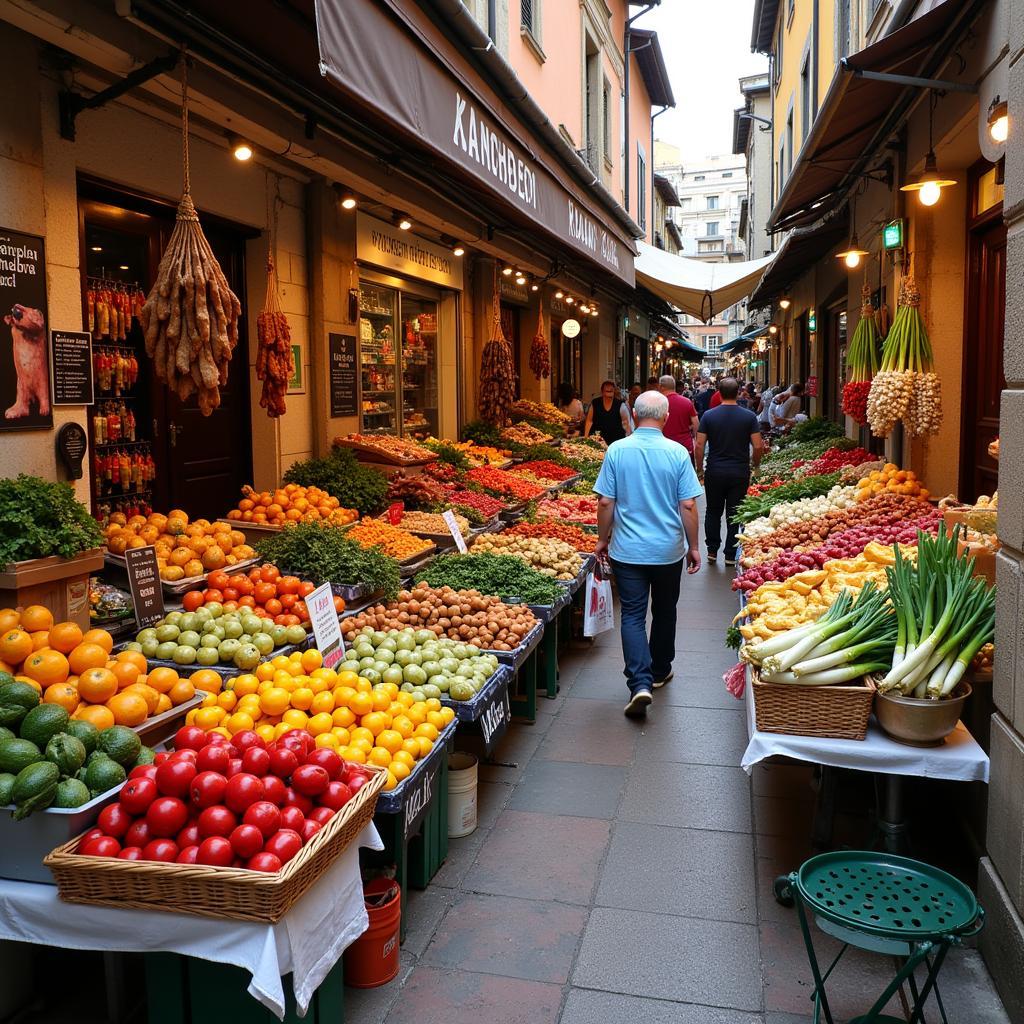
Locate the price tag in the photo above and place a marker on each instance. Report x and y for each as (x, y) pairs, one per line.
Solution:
(395, 510)
(495, 717)
(144, 583)
(326, 627)
(418, 800)
(453, 526)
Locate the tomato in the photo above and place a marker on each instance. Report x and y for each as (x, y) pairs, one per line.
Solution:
(216, 821)
(160, 757)
(256, 761)
(245, 739)
(175, 776)
(247, 601)
(234, 767)
(300, 615)
(244, 585)
(335, 796)
(102, 846)
(211, 595)
(263, 815)
(130, 853)
(356, 782)
(188, 836)
(246, 841)
(284, 844)
(273, 607)
(293, 799)
(282, 760)
(165, 850)
(264, 861)
(214, 757)
(292, 817)
(231, 595)
(310, 779)
(207, 789)
(145, 771)
(218, 580)
(275, 790)
(139, 834)
(270, 573)
(310, 829)
(166, 816)
(93, 833)
(189, 737)
(306, 588)
(138, 794)
(188, 855)
(328, 760)
(288, 602)
(339, 604)
(215, 851)
(288, 585)
(323, 814)
(115, 820)
(254, 574)
(264, 592)
(242, 790)
(192, 600)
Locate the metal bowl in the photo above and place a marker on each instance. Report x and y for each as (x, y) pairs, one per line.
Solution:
(921, 723)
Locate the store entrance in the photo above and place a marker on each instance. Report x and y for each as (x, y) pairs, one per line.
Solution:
(151, 450)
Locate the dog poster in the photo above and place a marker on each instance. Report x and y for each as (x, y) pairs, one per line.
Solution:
(24, 345)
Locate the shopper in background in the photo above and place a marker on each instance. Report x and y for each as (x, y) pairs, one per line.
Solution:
(635, 391)
(789, 408)
(609, 415)
(652, 384)
(569, 403)
(764, 404)
(733, 432)
(647, 490)
(716, 398)
(681, 424)
(702, 400)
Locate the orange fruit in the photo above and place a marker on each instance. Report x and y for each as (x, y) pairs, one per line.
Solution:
(403, 726)
(436, 719)
(343, 717)
(295, 718)
(392, 780)
(97, 714)
(15, 646)
(86, 656)
(326, 739)
(163, 704)
(97, 685)
(412, 746)
(239, 722)
(147, 693)
(275, 701)
(65, 637)
(40, 639)
(226, 700)
(428, 730)
(209, 718)
(319, 724)
(128, 708)
(46, 667)
(36, 617)
(381, 699)
(129, 657)
(64, 694)
(103, 638)
(355, 754)
(181, 691)
(361, 704)
(208, 680)
(244, 684)
(375, 722)
(347, 678)
(390, 740)
(124, 672)
(403, 757)
(379, 756)
(311, 660)
(399, 770)
(425, 745)
(162, 679)
(9, 618)
(322, 702)
(302, 698)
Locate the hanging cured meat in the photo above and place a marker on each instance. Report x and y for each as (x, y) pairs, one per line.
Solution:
(540, 351)
(497, 372)
(274, 361)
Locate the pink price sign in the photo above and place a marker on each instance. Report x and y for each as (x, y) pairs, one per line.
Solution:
(326, 626)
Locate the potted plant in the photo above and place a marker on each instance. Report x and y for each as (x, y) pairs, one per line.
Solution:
(49, 544)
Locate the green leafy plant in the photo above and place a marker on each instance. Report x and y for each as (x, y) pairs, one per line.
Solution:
(39, 518)
(449, 454)
(753, 507)
(341, 474)
(483, 434)
(498, 575)
(323, 553)
(817, 429)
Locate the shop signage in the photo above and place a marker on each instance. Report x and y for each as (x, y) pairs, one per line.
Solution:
(495, 716)
(24, 355)
(71, 352)
(144, 584)
(72, 443)
(892, 234)
(812, 321)
(296, 383)
(453, 527)
(341, 349)
(323, 617)
(570, 328)
(812, 387)
(514, 292)
(385, 245)
(418, 801)
(391, 58)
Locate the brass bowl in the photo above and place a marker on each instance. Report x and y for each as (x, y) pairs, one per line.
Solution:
(921, 723)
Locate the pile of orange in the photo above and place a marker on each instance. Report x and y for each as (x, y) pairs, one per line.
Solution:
(183, 549)
(291, 504)
(77, 671)
(378, 725)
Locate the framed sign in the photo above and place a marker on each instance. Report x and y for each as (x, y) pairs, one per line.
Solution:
(144, 584)
(71, 355)
(296, 382)
(24, 345)
(342, 374)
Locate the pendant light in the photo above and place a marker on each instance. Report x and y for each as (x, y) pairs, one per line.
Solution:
(999, 120)
(853, 253)
(930, 183)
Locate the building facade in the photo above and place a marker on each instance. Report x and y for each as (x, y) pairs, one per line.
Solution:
(752, 139)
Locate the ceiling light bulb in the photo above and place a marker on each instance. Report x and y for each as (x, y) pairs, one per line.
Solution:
(507, 271)
(593, 312)
(584, 309)
(784, 303)
(458, 250)
(772, 329)
(96, 248)
(929, 193)
(852, 259)
(124, 266)
(559, 294)
(569, 299)
(520, 279)
(404, 224)
(348, 199)
(240, 149)
(999, 120)
(534, 287)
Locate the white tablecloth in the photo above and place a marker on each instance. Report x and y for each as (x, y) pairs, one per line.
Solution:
(308, 940)
(959, 758)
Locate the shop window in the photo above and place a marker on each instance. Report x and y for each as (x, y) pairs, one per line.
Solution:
(641, 189)
(989, 192)
(591, 103)
(777, 54)
(606, 120)
(805, 97)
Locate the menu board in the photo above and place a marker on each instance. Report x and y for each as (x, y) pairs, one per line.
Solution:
(144, 583)
(71, 353)
(342, 355)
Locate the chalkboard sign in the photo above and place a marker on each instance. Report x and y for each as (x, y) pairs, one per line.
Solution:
(71, 352)
(418, 800)
(495, 716)
(144, 583)
(342, 354)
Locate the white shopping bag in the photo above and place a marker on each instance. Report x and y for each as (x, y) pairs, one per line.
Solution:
(598, 612)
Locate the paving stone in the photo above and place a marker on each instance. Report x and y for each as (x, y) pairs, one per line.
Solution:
(685, 795)
(559, 787)
(681, 871)
(686, 959)
(689, 735)
(461, 855)
(511, 755)
(540, 856)
(693, 640)
(590, 732)
(491, 798)
(371, 1005)
(698, 684)
(605, 683)
(535, 940)
(585, 1006)
(424, 909)
(436, 996)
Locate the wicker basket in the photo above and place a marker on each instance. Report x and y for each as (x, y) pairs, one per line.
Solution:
(211, 891)
(838, 712)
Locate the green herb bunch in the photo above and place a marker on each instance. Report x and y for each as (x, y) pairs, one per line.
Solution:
(482, 433)
(449, 454)
(780, 463)
(817, 429)
(341, 474)
(751, 508)
(39, 518)
(497, 575)
(541, 453)
(323, 553)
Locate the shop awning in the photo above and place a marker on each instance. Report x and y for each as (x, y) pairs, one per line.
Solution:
(859, 112)
(746, 339)
(802, 248)
(697, 288)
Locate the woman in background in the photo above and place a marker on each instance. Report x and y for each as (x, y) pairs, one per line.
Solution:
(570, 405)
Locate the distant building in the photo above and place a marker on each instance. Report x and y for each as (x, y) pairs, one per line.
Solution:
(752, 140)
(666, 231)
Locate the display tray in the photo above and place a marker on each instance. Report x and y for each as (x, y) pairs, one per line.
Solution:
(469, 710)
(513, 512)
(183, 586)
(379, 455)
(575, 584)
(228, 671)
(519, 654)
(393, 801)
(256, 530)
(409, 572)
(209, 891)
(353, 592)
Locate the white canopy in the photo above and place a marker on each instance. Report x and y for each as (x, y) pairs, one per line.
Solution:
(697, 288)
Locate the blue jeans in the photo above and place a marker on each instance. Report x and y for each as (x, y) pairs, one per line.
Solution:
(646, 658)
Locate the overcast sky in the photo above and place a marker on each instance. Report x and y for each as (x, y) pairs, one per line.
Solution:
(707, 49)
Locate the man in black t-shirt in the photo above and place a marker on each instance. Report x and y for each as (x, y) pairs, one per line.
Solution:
(732, 432)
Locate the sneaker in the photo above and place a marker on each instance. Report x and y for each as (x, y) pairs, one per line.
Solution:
(712, 557)
(637, 706)
(659, 683)
(730, 561)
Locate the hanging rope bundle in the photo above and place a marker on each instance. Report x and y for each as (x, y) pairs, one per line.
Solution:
(540, 351)
(274, 360)
(190, 317)
(497, 372)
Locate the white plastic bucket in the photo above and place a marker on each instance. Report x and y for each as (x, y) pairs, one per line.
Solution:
(461, 795)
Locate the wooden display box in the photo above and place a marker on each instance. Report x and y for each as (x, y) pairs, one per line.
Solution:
(60, 584)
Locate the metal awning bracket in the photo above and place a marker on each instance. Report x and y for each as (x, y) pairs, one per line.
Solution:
(71, 104)
(911, 80)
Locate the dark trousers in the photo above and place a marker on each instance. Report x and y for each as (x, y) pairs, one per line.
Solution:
(647, 658)
(723, 492)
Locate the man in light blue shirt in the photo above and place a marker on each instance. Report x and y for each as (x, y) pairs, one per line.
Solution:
(648, 512)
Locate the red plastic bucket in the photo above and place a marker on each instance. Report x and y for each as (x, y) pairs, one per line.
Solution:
(372, 960)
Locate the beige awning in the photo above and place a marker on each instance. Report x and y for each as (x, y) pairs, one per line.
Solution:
(697, 288)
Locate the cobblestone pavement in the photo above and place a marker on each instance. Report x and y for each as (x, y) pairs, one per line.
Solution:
(622, 872)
